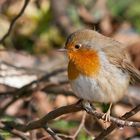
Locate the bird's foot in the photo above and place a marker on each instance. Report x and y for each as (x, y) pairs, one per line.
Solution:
(106, 115)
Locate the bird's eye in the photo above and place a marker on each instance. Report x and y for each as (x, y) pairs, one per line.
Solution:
(77, 46)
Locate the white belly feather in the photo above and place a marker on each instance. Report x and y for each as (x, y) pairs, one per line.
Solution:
(109, 86)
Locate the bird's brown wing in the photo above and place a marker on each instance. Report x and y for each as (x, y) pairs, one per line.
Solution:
(131, 69)
(118, 55)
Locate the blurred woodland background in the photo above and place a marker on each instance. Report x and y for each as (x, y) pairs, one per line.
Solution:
(33, 78)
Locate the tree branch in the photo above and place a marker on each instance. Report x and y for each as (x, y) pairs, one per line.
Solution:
(14, 132)
(74, 108)
(14, 20)
(120, 122)
(53, 134)
(29, 88)
(73, 137)
(50, 116)
(127, 115)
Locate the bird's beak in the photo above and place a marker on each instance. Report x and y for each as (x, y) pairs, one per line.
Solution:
(62, 50)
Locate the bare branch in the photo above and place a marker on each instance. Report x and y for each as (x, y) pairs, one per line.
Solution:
(74, 108)
(80, 126)
(27, 70)
(29, 88)
(73, 137)
(14, 20)
(127, 115)
(120, 122)
(53, 134)
(42, 122)
(14, 132)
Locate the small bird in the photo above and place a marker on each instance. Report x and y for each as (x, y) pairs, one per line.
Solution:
(99, 68)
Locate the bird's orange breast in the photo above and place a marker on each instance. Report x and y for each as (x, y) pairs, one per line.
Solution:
(85, 62)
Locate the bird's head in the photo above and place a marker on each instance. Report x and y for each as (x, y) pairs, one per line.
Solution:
(82, 52)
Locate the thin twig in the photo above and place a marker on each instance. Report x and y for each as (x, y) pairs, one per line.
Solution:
(27, 70)
(127, 115)
(120, 122)
(29, 88)
(52, 133)
(48, 88)
(14, 21)
(80, 126)
(14, 132)
(73, 137)
(19, 134)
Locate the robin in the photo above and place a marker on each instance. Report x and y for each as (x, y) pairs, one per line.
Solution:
(99, 68)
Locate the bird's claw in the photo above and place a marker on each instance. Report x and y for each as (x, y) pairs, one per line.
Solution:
(106, 116)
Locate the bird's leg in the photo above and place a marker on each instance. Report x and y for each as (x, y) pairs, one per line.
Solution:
(106, 115)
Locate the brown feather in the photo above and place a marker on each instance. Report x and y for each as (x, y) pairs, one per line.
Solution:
(116, 52)
(122, 60)
(131, 69)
